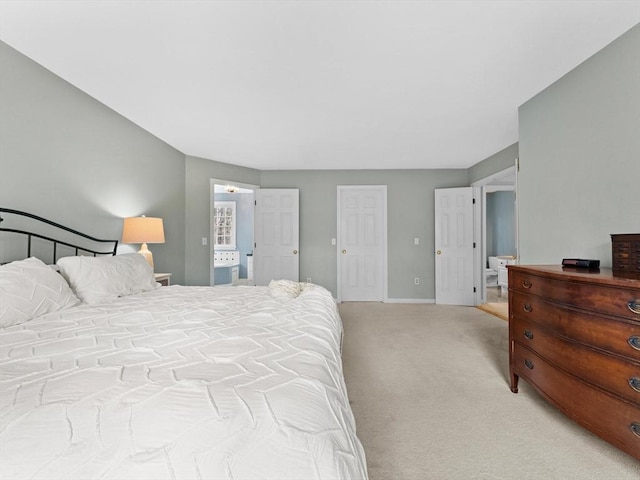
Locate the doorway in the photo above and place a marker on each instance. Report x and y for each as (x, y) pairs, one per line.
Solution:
(231, 233)
(499, 238)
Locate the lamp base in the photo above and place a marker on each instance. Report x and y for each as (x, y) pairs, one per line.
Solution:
(146, 253)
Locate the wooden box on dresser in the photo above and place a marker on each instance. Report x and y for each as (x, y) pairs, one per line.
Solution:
(574, 335)
(625, 253)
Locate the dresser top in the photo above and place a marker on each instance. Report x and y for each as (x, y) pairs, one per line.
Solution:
(604, 276)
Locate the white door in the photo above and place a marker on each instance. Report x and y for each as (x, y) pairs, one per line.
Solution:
(276, 248)
(362, 243)
(454, 246)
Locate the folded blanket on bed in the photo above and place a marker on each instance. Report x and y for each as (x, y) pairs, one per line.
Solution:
(288, 288)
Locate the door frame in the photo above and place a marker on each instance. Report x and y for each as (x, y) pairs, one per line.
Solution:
(212, 187)
(496, 182)
(385, 273)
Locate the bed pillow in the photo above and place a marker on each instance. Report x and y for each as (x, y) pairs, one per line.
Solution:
(29, 288)
(96, 279)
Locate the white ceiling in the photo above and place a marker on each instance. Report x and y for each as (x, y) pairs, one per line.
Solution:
(318, 84)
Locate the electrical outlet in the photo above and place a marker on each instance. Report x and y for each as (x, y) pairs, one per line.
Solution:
(308, 279)
(416, 281)
(204, 241)
(416, 241)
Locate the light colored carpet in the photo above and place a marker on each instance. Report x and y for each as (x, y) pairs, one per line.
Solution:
(429, 389)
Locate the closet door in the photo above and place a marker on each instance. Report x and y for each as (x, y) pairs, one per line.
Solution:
(362, 243)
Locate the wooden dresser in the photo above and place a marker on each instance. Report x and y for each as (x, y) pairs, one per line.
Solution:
(574, 335)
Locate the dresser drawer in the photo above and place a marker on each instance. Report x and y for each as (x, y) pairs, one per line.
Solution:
(621, 247)
(622, 265)
(613, 419)
(590, 297)
(606, 371)
(622, 257)
(617, 336)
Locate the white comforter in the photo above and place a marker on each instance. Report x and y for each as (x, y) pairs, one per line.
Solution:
(179, 383)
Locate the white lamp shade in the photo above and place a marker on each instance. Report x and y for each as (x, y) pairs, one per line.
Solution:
(143, 230)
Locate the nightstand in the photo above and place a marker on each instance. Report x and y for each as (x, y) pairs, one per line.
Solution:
(163, 279)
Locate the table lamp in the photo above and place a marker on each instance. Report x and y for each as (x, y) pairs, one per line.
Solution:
(143, 230)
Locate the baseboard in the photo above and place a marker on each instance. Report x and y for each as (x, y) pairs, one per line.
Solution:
(404, 300)
(410, 300)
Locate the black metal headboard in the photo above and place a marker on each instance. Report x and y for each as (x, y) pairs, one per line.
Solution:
(71, 243)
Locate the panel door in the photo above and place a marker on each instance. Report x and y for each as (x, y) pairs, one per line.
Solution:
(454, 246)
(362, 243)
(276, 250)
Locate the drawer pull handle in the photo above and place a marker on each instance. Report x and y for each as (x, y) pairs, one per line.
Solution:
(528, 334)
(634, 341)
(634, 306)
(527, 308)
(529, 365)
(634, 383)
(526, 283)
(635, 428)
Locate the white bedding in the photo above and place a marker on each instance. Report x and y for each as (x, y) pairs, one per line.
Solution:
(179, 383)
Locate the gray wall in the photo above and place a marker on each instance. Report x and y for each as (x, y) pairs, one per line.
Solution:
(198, 175)
(67, 157)
(497, 162)
(579, 177)
(410, 213)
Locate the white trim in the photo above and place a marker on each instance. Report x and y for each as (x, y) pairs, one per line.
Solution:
(478, 276)
(410, 300)
(517, 209)
(219, 181)
(499, 188)
(507, 172)
(385, 272)
(480, 266)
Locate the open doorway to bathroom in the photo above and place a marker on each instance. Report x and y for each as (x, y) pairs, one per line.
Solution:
(499, 238)
(231, 227)
(500, 243)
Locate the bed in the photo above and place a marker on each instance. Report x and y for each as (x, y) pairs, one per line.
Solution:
(139, 381)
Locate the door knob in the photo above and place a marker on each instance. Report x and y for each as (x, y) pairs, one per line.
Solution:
(344, 251)
(295, 252)
(438, 252)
